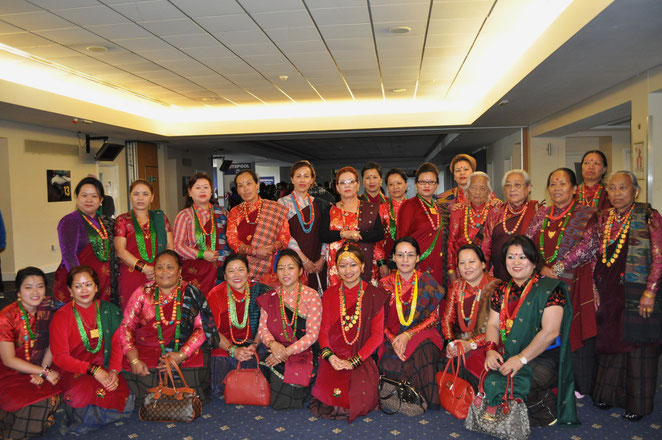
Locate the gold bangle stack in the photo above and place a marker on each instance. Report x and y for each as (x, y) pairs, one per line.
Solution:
(134, 361)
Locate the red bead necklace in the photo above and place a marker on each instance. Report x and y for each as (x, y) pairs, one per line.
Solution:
(346, 214)
(259, 209)
(430, 210)
(521, 213)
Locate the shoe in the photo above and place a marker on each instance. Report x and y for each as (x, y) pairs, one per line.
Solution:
(632, 416)
(578, 395)
(601, 405)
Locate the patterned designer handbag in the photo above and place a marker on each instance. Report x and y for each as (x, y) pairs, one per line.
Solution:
(455, 393)
(400, 397)
(507, 421)
(247, 386)
(170, 404)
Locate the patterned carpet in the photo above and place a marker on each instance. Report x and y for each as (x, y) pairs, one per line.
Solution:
(244, 422)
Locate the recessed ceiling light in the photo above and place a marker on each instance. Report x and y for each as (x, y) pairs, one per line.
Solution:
(503, 102)
(400, 30)
(283, 77)
(97, 48)
(209, 98)
(398, 90)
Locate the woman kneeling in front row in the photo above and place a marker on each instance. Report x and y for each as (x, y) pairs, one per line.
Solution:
(515, 347)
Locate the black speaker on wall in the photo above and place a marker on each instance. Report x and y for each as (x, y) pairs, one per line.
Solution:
(225, 165)
(108, 152)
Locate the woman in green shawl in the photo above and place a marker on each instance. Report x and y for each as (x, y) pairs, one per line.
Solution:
(527, 338)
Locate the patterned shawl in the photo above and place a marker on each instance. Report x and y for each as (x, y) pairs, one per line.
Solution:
(272, 217)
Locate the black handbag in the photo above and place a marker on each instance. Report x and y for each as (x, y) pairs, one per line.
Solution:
(400, 397)
(507, 421)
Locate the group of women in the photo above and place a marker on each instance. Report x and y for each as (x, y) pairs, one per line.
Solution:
(325, 298)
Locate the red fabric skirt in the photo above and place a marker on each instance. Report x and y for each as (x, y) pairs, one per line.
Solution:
(17, 392)
(88, 258)
(201, 273)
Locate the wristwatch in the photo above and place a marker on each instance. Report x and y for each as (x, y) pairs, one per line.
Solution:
(523, 360)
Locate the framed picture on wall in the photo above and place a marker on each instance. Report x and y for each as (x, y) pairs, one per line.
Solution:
(58, 183)
(639, 160)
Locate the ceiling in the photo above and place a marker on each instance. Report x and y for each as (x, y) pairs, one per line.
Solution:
(231, 54)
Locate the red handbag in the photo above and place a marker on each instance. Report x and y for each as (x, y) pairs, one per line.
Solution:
(455, 393)
(247, 386)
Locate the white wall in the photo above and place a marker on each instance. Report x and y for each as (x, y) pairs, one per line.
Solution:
(655, 150)
(504, 155)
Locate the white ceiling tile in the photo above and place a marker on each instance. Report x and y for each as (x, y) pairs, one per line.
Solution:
(242, 38)
(205, 8)
(148, 10)
(459, 26)
(446, 51)
(118, 58)
(119, 31)
(204, 53)
(361, 30)
(162, 54)
(411, 42)
(16, 6)
(6, 28)
(302, 46)
(160, 75)
(53, 5)
(115, 76)
(265, 60)
(271, 6)
(143, 44)
(465, 9)
(37, 21)
(142, 66)
(228, 23)
(283, 19)
(163, 28)
(417, 27)
(338, 16)
(24, 40)
(324, 4)
(308, 33)
(192, 41)
(73, 36)
(53, 52)
(350, 44)
(92, 15)
(401, 13)
(253, 49)
(449, 40)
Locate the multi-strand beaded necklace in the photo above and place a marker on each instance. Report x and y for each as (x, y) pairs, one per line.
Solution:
(469, 219)
(232, 312)
(399, 291)
(307, 226)
(519, 213)
(283, 316)
(140, 238)
(28, 336)
(595, 200)
(467, 324)
(347, 322)
(430, 210)
(505, 318)
(201, 233)
(567, 213)
(245, 211)
(620, 238)
(94, 333)
(175, 316)
(98, 238)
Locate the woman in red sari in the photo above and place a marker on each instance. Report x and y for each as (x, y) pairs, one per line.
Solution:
(85, 239)
(140, 235)
(257, 228)
(413, 345)
(427, 223)
(169, 318)
(511, 218)
(236, 312)
(29, 394)
(396, 182)
(567, 239)
(352, 329)
(289, 326)
(591, 191)
(467, 225)
(304, 214)
(199, 234)
(465, 312)
(354, 220)
(86, 348)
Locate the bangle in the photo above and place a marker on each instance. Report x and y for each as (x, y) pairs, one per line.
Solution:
(491, 345)
(381, 263)
(201, 254)
(92, 369)
(327, 353)
(648, 295)
(134, 361)
(355, 361)
(45, 372)
(139, 266)
(231, 350)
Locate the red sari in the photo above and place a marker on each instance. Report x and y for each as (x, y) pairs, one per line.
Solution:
(354, 389)
(130, 279)
(73, 359)
(467, 225)
(388, 212)
(416, 221)
(17, 392)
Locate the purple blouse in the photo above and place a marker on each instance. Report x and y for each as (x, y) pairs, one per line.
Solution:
(72, 234)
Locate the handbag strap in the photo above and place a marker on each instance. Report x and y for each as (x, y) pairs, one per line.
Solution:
(481, 381)
(257, 360)
(169, 365)
(509, 387)
(395, 384)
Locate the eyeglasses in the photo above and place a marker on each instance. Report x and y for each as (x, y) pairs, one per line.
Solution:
(426, 182)
(347, 182)
(404, 255)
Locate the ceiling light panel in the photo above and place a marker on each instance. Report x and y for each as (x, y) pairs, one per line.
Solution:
(36, 21)
(271, 6)
(194, 41)
(335, 16)
(148, 10)
(282, 19)
(401, 13)
(459, 10)
(227, 23)
(165, 28)
(92, 15)
(205, 8)
(24, 40)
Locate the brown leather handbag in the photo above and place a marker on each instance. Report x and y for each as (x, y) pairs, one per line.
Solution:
(247, 386)
(170, 404)
(455, 393)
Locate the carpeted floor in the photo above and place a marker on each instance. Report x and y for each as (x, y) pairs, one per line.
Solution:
(242, 422)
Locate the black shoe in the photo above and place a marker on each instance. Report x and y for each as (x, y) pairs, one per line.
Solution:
(632, 416)
(601, 405)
